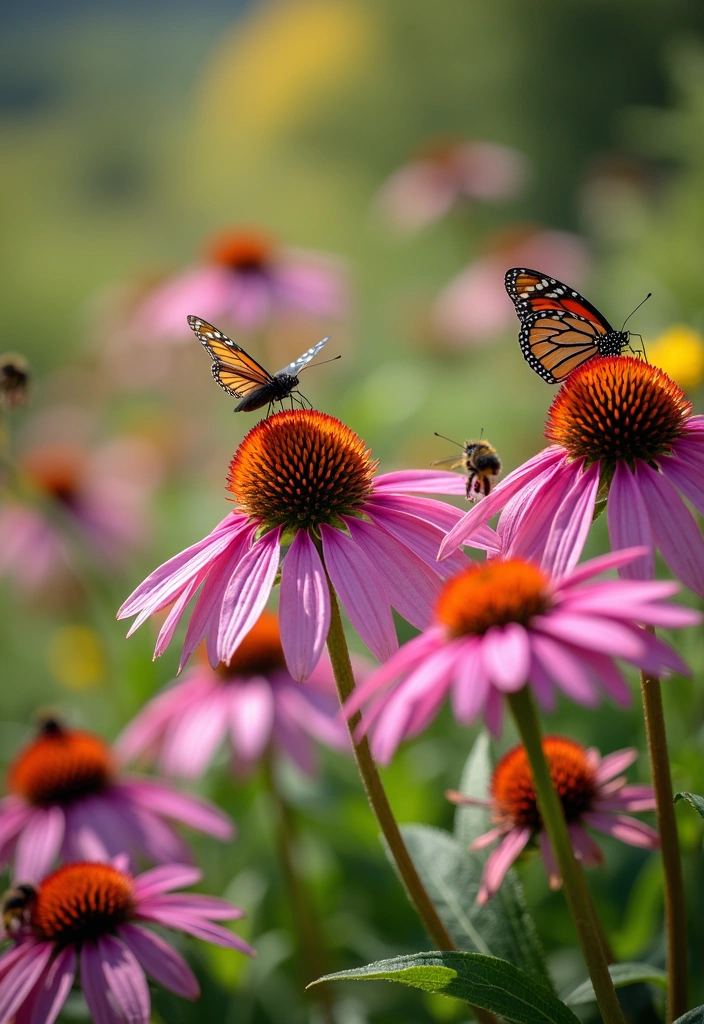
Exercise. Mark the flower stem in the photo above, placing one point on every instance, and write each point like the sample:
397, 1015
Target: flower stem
305, 919
576, 891
378, 800
675, 917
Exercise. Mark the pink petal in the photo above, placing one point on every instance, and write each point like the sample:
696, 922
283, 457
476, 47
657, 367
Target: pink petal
541, 685
629, 525
548, 856
39, 844
530, 532
95, 987
193, 925
676, 533
585, 848
125, 979
55, 987
596, 566
18, 982
304, 607
593, 633
406, 659
616, 763
687, 476
172, 620
437, 513
161, 961
565, 669
481, 842
194, 905
191, 742
505, 651
248, 592
628, 830
361, 591
422, 537
412, 588
500, 860
146, 729
188, 810
251, 712
164, 879
420, 481
494, 712
494, 502
571, 523
628, 798
471, 684
607, 676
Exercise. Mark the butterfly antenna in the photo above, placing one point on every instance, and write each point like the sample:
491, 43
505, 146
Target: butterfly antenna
321, 363
636, 309
448, 439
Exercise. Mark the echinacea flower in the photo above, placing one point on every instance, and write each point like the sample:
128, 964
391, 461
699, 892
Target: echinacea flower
100, 495
619, 427
253, 701
445, 173
305, 489
503, 625
88, 919
244, 279
473, 308
68, 800
592, 791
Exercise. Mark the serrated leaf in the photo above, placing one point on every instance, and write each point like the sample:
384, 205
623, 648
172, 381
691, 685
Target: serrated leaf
501, 928
621, 975
695, 801
485, 981
695, 1016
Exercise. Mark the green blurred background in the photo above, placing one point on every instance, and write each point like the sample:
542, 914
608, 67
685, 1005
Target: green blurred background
129, 133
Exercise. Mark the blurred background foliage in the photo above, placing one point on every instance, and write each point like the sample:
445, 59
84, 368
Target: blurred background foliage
130, 133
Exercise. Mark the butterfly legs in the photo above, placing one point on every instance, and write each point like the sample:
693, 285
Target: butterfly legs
639, 352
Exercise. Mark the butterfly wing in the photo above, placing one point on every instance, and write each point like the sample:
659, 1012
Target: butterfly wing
559, 327
294, 368
234, 369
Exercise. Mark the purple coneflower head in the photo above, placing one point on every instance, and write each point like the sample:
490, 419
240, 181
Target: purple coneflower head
623, 431
503, 625
245, 278
592, 792
88, 919
68, 800
309, 507
446, 173
252, 702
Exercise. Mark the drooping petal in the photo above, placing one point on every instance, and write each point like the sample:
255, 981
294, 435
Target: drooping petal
361, 591
247, 593
420, 481
470, 687
585, 848
500, 860
161, 961
410, 655
251, 714
210, 907
181, 921
628, 830
687, 476
506, 656
601, 564
676, 533
95, 987
55, 987
164, 879
39, 843
629, 525
571, 523
565, 668
19, 980
531, 532
125, 979
160, 798
551, 869
494, 712
593, 633
304, 607
192, 739
420, 536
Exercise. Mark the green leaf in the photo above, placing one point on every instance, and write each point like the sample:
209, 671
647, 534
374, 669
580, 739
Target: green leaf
452, 875
471, 822
695, 1016
621, 974
697, 802
484, 981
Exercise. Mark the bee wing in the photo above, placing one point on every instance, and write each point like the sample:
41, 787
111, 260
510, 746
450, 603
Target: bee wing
453, 461
294, 368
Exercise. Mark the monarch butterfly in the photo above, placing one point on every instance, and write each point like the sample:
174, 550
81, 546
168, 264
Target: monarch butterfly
240, 375
560, 330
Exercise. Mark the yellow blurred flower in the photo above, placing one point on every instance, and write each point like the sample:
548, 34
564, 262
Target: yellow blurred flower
277, 62
679, 351
77, 657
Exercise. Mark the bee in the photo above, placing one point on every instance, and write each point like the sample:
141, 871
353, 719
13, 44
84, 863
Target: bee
16, 906
481, 463
14, 379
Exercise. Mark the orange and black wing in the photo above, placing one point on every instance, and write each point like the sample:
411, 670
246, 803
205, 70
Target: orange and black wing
233, 368
560, 329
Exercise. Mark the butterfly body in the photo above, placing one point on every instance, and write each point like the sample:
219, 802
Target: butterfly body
560, 329
242, 376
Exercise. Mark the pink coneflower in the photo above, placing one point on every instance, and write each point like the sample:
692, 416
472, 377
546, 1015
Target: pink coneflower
473, 308
446, 173
506, 624
67, 800
67, 497
305, 488
621, 428
90, 917
253, 701
590, 794
244, 279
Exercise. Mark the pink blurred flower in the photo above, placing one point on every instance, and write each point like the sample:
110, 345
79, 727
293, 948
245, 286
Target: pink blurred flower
68, 497
68, 800
90, 917
244, 279
507, 624
253, 701
590, 794
444, 174
620, 427
474, 307
304, 485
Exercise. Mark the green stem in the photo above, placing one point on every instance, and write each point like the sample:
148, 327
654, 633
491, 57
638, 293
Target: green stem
378, 800
305, 919
576, 891
675, 917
